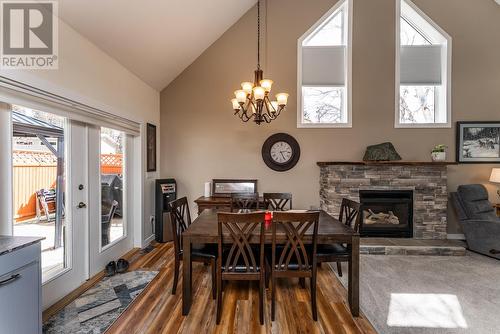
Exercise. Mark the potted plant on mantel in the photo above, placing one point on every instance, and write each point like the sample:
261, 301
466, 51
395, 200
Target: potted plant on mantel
438, 153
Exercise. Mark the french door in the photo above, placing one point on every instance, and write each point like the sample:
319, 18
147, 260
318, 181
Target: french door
76, 226
97, 229
67, 179
109, 160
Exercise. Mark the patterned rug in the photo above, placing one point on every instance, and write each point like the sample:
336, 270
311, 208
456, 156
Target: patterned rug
95, 310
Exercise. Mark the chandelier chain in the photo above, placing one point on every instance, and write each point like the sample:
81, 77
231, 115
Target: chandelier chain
258, 34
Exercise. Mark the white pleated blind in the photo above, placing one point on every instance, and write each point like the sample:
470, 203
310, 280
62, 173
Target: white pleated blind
420, 65
323, 66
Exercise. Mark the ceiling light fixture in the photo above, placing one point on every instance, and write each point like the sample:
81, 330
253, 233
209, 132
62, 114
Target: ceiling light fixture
252, 100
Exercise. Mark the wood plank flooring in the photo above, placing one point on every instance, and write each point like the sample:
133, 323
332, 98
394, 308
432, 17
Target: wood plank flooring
156, 310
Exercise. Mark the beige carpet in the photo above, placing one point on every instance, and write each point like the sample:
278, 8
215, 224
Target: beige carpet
430, 294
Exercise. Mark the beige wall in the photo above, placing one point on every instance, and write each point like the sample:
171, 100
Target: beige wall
201, 140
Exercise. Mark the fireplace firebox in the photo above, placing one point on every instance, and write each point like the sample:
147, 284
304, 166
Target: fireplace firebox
386, 213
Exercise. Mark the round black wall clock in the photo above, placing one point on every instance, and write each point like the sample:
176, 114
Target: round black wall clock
281, 152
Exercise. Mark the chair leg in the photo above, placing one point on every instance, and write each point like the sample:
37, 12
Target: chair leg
219, 298
176, 274
302, 282
261, 300
273, 297
214, 278
267, 275
313, 297
339, 268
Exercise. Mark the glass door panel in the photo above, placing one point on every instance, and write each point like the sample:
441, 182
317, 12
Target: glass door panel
39, 184
112, 181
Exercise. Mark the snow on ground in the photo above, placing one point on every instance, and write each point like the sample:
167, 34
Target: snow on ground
473, 149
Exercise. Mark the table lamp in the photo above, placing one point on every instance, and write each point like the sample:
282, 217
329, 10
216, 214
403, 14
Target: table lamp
495, 178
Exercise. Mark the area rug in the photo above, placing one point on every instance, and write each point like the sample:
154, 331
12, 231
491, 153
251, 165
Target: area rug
430, 294
96, 309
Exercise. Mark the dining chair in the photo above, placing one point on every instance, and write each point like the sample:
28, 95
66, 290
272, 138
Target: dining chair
278, 201
106, 220
181, 219
294, 259
237, 260
350, 215
244, 201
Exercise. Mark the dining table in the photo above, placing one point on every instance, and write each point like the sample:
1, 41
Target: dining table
204, 230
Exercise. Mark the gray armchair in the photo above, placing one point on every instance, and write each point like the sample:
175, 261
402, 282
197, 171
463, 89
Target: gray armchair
479, 221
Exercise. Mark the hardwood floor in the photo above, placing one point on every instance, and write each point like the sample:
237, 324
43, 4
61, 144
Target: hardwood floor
156, 310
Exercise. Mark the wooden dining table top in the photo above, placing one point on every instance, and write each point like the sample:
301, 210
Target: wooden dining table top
204, 229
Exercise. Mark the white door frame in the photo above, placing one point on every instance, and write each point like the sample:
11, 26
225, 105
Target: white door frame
6, 216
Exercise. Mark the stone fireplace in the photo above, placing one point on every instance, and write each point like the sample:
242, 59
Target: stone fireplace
425, 181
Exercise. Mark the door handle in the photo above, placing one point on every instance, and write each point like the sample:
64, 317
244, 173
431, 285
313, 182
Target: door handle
81, 205
10, 279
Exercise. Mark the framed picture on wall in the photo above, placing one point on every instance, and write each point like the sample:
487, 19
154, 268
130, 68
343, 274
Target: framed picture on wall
478, 142
151, 147
225, 187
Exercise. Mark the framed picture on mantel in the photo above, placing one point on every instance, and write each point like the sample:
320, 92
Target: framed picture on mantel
478, 142
150, 147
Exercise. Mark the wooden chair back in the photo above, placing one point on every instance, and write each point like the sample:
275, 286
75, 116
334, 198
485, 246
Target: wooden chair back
350, 214
278, 201
180, 218
295, 252
244, 201
239, 256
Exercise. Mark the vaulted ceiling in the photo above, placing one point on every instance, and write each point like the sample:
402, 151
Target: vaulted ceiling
154, 39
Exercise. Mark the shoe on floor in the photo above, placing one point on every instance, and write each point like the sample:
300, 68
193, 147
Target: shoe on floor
110, 269
122, 266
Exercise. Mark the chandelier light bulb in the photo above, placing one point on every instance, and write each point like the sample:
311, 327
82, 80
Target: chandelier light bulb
240, 95
266, 84
274, 104
247, 87
259, 93
236, 105
282, 99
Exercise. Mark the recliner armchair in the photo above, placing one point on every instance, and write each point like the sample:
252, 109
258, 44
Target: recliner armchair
479, 221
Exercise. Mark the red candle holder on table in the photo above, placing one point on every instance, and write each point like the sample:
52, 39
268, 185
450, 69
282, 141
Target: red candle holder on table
268, 219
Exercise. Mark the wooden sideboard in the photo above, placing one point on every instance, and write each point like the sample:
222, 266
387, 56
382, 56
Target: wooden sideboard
217, 203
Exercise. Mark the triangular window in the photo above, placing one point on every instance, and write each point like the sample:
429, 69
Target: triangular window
329, 33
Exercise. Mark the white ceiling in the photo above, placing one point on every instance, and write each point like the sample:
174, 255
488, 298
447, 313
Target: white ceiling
155, 39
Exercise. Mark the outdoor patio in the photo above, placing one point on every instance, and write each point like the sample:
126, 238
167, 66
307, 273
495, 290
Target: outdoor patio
53, 258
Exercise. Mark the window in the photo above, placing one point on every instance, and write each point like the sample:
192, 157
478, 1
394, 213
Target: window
324, 70
39, 185
112, 182
423, 70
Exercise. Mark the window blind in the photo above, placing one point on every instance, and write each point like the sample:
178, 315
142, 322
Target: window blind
323, 65
14, 92
420, 65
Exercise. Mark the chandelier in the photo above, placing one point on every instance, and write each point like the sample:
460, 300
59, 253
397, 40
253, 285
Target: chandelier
252, 100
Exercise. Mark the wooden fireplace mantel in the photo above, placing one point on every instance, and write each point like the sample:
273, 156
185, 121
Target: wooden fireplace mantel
385, 163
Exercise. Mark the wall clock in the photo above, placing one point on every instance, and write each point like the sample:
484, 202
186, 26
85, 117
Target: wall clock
281, 152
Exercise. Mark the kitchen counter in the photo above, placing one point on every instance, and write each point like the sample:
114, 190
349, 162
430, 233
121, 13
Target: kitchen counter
9, 244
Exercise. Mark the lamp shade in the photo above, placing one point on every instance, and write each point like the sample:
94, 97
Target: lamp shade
495, 175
